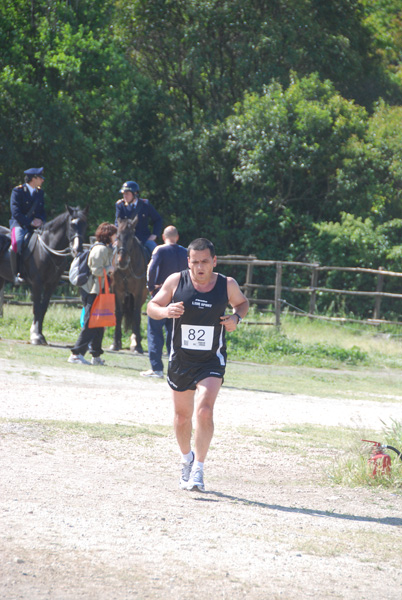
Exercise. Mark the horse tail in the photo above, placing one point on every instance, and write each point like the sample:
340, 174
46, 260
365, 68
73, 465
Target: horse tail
128, 312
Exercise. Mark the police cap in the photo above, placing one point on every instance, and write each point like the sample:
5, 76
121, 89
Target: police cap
35, 172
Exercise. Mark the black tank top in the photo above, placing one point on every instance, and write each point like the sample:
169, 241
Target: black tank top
198, 335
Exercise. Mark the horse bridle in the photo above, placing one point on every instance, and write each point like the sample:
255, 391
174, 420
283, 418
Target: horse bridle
76, 235
128, 264
66, 251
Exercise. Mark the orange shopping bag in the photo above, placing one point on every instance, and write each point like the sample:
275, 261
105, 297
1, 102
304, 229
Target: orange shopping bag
103, 309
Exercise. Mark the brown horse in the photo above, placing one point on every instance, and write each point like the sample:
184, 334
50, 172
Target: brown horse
129, 284
44, 261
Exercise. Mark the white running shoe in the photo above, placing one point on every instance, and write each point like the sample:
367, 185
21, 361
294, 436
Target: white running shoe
78, 359
185, 473
196, 481
151, 373
97, 360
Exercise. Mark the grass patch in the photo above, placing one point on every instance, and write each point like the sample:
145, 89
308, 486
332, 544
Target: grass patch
102, 431
340, 447
61, 324
355, 382
261, 345
123, 364
300, 342
322, 543
355, 470
303, 437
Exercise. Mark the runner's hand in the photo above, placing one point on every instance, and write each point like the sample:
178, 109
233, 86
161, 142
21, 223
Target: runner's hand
229, 322
175, 310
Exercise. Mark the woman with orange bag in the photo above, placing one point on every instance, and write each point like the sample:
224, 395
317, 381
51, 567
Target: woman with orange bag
100, 258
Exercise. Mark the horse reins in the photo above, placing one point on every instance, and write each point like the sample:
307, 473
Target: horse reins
64, 252
61, 253
129, 264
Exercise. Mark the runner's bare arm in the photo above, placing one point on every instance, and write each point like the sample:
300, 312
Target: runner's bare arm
238, 302
161, 305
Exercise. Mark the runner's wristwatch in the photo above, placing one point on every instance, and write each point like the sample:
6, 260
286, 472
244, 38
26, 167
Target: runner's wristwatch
238, 317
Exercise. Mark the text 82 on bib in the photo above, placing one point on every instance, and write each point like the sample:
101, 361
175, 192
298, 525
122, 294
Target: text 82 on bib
197, 337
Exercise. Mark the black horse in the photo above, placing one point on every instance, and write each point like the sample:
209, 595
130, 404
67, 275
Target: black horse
129, 284
44, 260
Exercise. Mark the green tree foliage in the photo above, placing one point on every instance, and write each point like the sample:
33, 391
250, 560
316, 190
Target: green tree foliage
242, 120
287, 145
358, 242
369, 183
71, 102
384, 19
352, 242
206, 53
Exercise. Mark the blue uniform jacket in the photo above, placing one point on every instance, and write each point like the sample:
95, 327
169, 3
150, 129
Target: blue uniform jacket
20, 203
146, 212
165, 260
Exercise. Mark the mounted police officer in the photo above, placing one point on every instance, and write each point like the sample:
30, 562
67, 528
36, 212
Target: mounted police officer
130, 206
27, 213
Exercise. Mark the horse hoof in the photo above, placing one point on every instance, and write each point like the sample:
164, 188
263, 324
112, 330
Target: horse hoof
39, 341
137, 350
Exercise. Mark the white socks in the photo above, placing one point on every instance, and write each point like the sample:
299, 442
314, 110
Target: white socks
187, 458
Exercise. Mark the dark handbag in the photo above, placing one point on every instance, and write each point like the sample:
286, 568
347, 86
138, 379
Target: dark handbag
103, 309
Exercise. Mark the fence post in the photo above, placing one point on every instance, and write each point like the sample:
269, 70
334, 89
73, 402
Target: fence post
313, 285
380, 285
249, 279
278, 294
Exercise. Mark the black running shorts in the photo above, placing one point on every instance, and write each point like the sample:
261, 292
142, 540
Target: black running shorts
182, 378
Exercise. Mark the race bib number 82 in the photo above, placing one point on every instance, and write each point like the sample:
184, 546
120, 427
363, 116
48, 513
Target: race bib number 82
197, 337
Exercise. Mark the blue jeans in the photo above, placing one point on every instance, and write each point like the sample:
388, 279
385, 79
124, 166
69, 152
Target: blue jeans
150, 245
155, 330
19, 233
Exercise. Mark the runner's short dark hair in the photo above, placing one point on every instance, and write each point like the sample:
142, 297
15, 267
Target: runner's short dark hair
201, 244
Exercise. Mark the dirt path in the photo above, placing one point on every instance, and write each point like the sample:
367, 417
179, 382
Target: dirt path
90, 518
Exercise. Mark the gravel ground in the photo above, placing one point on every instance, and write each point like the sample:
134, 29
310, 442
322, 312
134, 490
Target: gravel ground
86, 517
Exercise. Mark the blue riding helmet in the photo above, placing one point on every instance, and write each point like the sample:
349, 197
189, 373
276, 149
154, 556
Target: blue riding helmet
130, 186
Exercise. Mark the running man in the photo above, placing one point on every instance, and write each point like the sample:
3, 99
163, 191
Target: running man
197, 299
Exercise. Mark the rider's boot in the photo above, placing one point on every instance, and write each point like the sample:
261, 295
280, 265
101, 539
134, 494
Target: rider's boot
17, 279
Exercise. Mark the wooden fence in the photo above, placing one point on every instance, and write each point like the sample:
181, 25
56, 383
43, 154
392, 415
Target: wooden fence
315, 269
277, 288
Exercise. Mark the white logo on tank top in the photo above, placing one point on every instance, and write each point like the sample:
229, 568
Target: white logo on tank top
201, 303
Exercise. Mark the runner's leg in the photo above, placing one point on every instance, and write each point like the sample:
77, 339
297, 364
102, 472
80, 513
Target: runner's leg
183, 413
207, 392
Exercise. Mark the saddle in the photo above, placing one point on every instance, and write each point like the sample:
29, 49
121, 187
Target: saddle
147, 254
145, 251
5, 239
27, 248
29, 243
